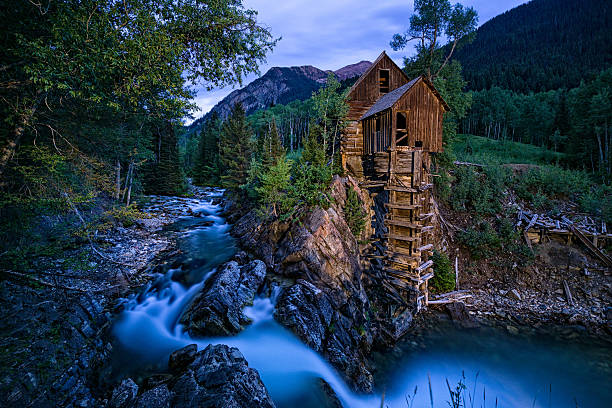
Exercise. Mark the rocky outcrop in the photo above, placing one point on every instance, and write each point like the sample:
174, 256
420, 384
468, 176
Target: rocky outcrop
323, 300
217, 377
340, 335
217, 309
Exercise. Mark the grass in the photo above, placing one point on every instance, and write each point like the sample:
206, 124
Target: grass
482, 150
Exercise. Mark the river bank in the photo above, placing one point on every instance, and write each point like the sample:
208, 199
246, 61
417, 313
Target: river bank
55, 327
171, 262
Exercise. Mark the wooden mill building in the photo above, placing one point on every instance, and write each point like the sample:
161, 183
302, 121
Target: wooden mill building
394, 125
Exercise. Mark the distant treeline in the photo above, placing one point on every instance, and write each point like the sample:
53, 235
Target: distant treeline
539, 46
576, 122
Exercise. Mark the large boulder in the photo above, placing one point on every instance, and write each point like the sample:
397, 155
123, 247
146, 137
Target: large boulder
323, 300
217, 309
220, 377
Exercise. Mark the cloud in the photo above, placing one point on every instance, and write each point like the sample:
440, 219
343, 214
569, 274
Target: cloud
330, 34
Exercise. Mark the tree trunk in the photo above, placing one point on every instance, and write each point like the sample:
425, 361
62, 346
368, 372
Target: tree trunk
131, 177
118, 179
11, 147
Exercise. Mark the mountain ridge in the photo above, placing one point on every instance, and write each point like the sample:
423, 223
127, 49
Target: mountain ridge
280, 85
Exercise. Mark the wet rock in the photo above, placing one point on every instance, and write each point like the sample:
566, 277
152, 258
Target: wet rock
306, 311
512, 330
220, 377
331, 399
459, 314
124, 395
181, 358
328, 305
309, 313
158, 397
397, 327
217, 310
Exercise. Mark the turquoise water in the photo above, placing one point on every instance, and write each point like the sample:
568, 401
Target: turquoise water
514, 369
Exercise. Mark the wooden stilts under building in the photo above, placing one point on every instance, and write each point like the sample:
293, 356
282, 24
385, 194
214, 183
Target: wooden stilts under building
395, 124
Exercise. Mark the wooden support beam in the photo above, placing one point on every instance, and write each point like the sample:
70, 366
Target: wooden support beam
402, 206
425, 247
401, 189
403, 224
424, 266
401, 237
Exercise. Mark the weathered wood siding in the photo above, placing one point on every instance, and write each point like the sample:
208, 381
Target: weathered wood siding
424, 118
361, 98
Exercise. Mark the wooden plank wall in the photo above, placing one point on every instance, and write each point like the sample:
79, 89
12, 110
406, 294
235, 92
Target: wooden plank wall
424, 121
373, 142
362, 98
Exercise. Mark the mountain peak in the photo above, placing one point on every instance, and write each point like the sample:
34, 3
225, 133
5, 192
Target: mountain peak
281, 85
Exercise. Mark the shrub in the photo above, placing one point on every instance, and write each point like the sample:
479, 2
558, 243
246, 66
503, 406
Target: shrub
478, 192
354, 213
444, 277
443, 185
481, 240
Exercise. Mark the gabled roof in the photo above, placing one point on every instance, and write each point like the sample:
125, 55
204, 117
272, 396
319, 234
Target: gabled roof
388, 100
374, 64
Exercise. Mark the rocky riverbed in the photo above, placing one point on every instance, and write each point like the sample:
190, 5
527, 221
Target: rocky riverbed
318, 289
54, 328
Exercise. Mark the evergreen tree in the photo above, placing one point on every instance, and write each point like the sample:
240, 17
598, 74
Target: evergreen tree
165, 174
313, 153
206, 171
235, 150
274, 185
270, 146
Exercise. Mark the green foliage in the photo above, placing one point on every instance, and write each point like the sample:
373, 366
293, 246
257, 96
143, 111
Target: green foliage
206, 171
443, 185
274, 186
331, 109
541, 45
354, 214
309, 185
483, 150
124, 215
503, 243
269, 144
444, 278
235, 150
478, 192
164, 175
482, 240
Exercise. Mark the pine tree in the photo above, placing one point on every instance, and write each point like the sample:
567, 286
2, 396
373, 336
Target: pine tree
235, 150
165, 174
274, 184
270, 146
314, 153
206, 171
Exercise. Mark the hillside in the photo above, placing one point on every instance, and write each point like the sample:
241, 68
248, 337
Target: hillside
280, 85
541, 45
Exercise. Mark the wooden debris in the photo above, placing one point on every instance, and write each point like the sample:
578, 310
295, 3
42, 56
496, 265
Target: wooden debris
568, 294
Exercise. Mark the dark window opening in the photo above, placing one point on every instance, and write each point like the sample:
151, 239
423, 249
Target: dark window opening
418, 143
401, 131
383, 79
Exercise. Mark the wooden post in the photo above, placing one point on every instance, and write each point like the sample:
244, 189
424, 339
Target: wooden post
456, 273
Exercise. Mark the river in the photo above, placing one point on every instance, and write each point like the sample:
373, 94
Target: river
500, 369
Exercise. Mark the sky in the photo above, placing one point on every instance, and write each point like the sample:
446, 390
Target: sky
330, 34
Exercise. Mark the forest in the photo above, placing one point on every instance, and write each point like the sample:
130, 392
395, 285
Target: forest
258, 260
